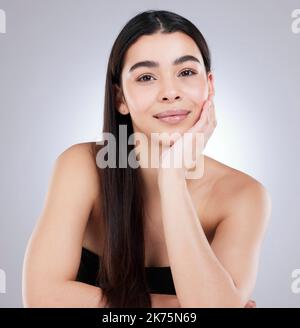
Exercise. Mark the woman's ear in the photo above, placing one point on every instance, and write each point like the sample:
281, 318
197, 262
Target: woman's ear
120, 101
211, 85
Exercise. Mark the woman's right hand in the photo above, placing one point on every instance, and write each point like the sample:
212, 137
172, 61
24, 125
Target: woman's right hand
164, 301
250, 304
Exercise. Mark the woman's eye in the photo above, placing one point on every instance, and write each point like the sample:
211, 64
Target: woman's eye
188, 70
141, 79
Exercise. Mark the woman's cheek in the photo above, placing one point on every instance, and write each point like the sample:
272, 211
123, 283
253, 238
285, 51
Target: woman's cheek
140, 102
197, 90
140, 117
197, 97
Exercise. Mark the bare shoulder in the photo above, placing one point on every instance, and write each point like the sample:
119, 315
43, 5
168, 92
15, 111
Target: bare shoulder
236, 191
244, 206
78, 164
80, 153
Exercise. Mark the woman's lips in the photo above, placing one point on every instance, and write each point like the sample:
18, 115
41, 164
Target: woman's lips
173, 119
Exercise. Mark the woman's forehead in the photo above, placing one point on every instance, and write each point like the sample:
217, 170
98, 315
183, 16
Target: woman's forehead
161, 48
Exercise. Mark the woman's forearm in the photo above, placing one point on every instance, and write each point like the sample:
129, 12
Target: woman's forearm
74, 294
69, 294
200, 279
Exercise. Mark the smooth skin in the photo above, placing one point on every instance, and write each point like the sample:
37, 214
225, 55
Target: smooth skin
224, 271
53, 253
212, 227
70, 219
231, 208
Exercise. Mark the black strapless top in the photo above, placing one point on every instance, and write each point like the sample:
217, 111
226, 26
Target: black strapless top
159, 279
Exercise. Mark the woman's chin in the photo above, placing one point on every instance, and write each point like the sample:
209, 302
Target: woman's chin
167, 138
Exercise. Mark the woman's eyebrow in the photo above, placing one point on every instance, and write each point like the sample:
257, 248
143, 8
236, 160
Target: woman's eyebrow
177, 61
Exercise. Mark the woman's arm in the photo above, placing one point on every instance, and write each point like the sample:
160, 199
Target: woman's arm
53, 252
171, 301
67, 294
221, 274
164, 301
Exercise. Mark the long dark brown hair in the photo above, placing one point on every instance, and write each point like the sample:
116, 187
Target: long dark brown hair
122, 272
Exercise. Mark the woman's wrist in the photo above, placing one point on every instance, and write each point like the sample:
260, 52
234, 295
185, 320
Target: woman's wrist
169, 178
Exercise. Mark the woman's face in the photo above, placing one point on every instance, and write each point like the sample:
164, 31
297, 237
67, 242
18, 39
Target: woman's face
152, 89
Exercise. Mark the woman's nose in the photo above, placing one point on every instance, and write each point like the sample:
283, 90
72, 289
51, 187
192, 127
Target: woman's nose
169, 92
170, 97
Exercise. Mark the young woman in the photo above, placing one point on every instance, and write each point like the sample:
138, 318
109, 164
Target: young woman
149, 236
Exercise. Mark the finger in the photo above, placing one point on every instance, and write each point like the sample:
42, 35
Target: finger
193, 147
212, 115
210, 97
250, 304
205, 110
209, 128
204, 125
203, 118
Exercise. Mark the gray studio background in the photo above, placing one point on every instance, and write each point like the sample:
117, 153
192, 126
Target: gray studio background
53, 60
